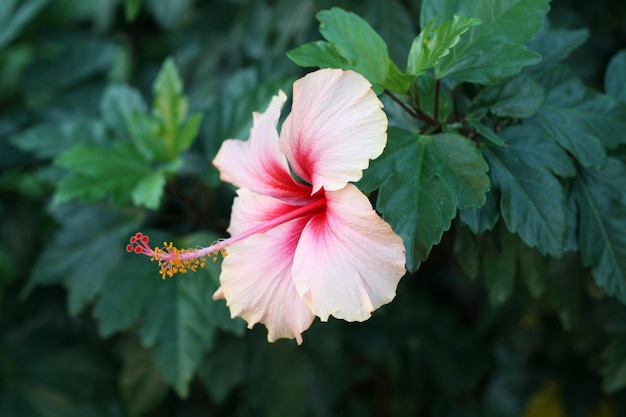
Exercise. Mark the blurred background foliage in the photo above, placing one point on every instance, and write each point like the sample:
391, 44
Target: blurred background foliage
86, 330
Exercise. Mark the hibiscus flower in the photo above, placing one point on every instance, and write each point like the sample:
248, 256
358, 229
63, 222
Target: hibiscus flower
305, 241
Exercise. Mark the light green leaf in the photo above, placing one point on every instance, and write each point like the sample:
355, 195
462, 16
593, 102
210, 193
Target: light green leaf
517, 97
87, 249
495, 49
435, 42
423, 180
602, 228
14, 16
318, 54
98, 172
532, 200
615, 79
149, 190
352, 39
169, 135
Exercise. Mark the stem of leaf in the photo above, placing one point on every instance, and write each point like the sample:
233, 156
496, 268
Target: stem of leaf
436, 107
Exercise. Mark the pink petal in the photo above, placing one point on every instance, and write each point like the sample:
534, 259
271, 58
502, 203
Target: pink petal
256, 282
335, 127
348, 261
258, 163
251, 210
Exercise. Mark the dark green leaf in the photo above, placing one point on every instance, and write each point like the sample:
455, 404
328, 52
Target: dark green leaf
615, 79
481, 219
76, 58
131, 9
224, 368
168, 12
435, 42
532, 200
14, 18
141, 383
89, 247
499, 265
423, 180
486, 132
528, 144
182, 319
614, 365
582, 121
51, 140
517, 97
533, 269
555, 46
602, 229
126, 293
495, 49
119, 103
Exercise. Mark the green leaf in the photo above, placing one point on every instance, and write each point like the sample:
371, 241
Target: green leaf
614, 365
532, 200
602, 228
131, 9
87, 249
481, 219
615, 79
177, 328
168, 12
224, 368
485, 131
495, 49
127, 292
529, 145
555, 46
119, 103
499, 265
318, 54
140, 382
13, 17
582, 121
149, 190
118, 172
517, 97
169, 110
76, 58
52, 139
352, 39
435, 42
181, 320
423, 180
533, 270
426, 85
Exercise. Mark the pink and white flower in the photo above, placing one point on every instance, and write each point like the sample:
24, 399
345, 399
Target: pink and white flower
305, 244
